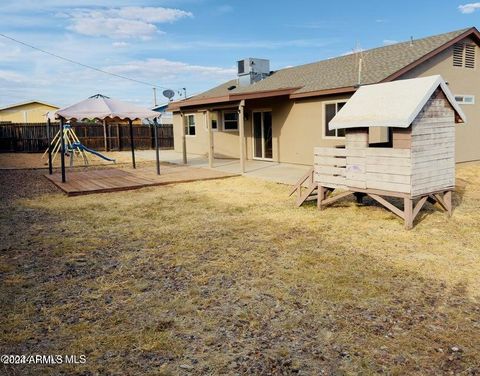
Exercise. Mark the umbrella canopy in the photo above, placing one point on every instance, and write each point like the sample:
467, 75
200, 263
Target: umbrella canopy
102, 107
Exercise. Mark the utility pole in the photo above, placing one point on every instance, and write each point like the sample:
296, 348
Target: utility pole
154, 97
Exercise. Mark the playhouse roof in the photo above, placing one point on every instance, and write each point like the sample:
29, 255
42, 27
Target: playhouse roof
391, 104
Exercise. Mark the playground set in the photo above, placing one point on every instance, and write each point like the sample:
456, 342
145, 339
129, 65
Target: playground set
73, 147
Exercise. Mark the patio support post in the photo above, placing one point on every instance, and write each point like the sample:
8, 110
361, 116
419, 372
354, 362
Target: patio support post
210, 138
184, 140
241, 127
50, 167
105, 141
131, 142
62, 149
157, 155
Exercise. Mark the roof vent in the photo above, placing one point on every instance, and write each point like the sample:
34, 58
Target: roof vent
251, 70
470, 56
464, 55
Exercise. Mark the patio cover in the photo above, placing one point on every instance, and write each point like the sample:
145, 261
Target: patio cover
391, 104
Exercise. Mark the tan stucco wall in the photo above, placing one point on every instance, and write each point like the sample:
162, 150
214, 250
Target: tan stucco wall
297, 127
226, 143
298, 124
464, 81
27, 113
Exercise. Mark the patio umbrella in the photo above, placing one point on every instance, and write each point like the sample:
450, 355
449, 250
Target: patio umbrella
104, 108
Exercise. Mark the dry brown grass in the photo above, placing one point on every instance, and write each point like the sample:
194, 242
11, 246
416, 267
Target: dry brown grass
228, 277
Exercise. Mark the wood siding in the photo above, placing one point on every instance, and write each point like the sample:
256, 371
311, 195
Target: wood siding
433, 147
364, 168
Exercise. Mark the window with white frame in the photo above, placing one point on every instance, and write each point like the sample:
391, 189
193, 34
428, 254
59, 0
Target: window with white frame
190, 125
230, 120
465, 99
331, 110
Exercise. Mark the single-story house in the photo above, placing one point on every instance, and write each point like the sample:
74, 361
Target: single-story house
282, 115
26, 112
167, 116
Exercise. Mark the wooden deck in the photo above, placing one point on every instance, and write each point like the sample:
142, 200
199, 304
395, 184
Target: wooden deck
118, 179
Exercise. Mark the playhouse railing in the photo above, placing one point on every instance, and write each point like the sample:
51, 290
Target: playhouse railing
330, 166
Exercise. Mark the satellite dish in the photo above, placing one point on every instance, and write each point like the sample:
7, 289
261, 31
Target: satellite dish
168, 93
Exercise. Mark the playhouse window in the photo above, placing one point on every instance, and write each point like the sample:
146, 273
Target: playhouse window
331, 110
190, 125
230, 121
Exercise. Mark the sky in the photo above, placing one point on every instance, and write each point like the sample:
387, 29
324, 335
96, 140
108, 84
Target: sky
192, 44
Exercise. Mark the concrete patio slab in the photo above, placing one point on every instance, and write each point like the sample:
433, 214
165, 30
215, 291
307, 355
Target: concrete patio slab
285, 173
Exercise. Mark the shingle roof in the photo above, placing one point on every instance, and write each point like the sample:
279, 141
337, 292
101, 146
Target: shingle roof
340, 72
24, 103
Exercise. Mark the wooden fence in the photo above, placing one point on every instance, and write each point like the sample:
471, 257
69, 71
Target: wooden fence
32, 137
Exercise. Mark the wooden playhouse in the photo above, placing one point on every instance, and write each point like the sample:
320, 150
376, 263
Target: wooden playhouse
416, 164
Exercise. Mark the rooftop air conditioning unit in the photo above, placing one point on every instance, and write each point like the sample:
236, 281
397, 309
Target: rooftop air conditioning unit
251, 70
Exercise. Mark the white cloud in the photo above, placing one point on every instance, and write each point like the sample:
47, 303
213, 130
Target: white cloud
468, 8
12, 76
165, 70
246, 44
127, 22
387, 42
112, 27
9, 52
120, 44
151, 14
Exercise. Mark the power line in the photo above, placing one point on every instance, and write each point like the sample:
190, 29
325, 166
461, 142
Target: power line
81, 64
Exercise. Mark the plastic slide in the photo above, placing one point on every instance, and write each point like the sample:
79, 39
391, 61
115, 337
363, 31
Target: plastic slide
81, 147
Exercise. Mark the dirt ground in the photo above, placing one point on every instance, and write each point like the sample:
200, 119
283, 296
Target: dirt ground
36, 161
228, 277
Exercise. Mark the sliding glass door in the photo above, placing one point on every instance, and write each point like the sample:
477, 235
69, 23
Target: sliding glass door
262, 135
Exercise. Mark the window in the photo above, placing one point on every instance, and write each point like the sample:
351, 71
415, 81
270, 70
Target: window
464, 55
331, 110
465, 99
214, 124
230, 121
190, 125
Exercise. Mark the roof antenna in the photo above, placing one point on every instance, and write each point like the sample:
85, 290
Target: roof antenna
411, 41
360, 61
360, 70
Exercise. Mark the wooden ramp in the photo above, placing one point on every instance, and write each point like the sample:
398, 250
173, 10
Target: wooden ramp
117, 179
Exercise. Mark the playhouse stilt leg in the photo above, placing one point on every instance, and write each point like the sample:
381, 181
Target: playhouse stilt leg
447, 198
321, 191
408, 213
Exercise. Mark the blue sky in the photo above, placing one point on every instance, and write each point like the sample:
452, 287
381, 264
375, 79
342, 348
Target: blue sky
193, 43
